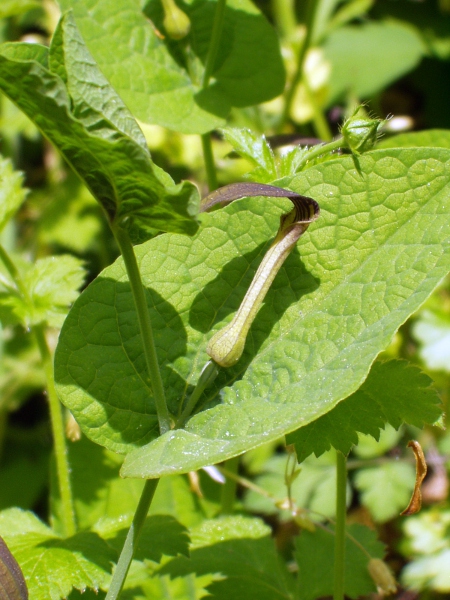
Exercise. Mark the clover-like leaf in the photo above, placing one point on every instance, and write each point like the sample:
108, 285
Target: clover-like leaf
378, 250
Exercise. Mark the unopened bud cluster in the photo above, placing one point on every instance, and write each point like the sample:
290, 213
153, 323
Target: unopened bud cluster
361, 131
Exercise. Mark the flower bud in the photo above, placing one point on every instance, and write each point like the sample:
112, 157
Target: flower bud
176, 22
361, 132
382, 576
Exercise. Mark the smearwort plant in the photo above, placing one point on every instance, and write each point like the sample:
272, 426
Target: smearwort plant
220, 331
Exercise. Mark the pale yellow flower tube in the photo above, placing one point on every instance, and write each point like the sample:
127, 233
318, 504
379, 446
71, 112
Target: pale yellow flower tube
227, 345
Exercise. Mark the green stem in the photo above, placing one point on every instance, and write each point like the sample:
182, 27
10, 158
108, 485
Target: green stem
56, 417
339, 540
284, 15
309, 24
57, 421
209, 67
131, 542
208, 157
137, 288
207, 376
321, 149
320, 123
214, 41
228, 496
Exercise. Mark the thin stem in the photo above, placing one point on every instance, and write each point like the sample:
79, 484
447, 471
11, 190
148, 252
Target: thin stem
284, 15
309, 23
137, 288
207, 376
209, 67
131, 542
228, 496
321, 149
56, 417
57, 421
339, 540
320, 123
208, 157
214, 41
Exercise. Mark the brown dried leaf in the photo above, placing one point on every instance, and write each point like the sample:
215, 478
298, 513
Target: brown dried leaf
415, 504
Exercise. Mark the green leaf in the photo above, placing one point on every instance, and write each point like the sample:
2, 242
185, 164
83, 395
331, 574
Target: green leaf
431, 23
376, 253
433, 138
160, 79
11, 8
254, 148
161, 535
53, 566
433, 333
314, 489
71, 219
385, 52
427, 545
105, 502
243, 553
11, 578
394, 392
52, 284
93, 133
314, 555
12, 194
386, 489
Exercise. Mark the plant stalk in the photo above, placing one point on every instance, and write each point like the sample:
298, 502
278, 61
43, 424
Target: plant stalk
207, 376
132, 540
137, 288
214, 41
208, 157
209, 67
321, 149
309, 24
228, 496
339, 540
56, 417
59, 439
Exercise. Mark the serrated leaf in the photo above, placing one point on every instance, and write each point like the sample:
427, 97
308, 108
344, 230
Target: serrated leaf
115, 167
160, 80
52, 566
385, 51
433, 138
254, 148
314, 555
12, 194
52, 284
378, 250
243, 553
394, 392
385, 489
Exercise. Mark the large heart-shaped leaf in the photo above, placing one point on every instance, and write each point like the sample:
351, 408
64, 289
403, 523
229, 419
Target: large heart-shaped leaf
160, 79
378, 250
68, 98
